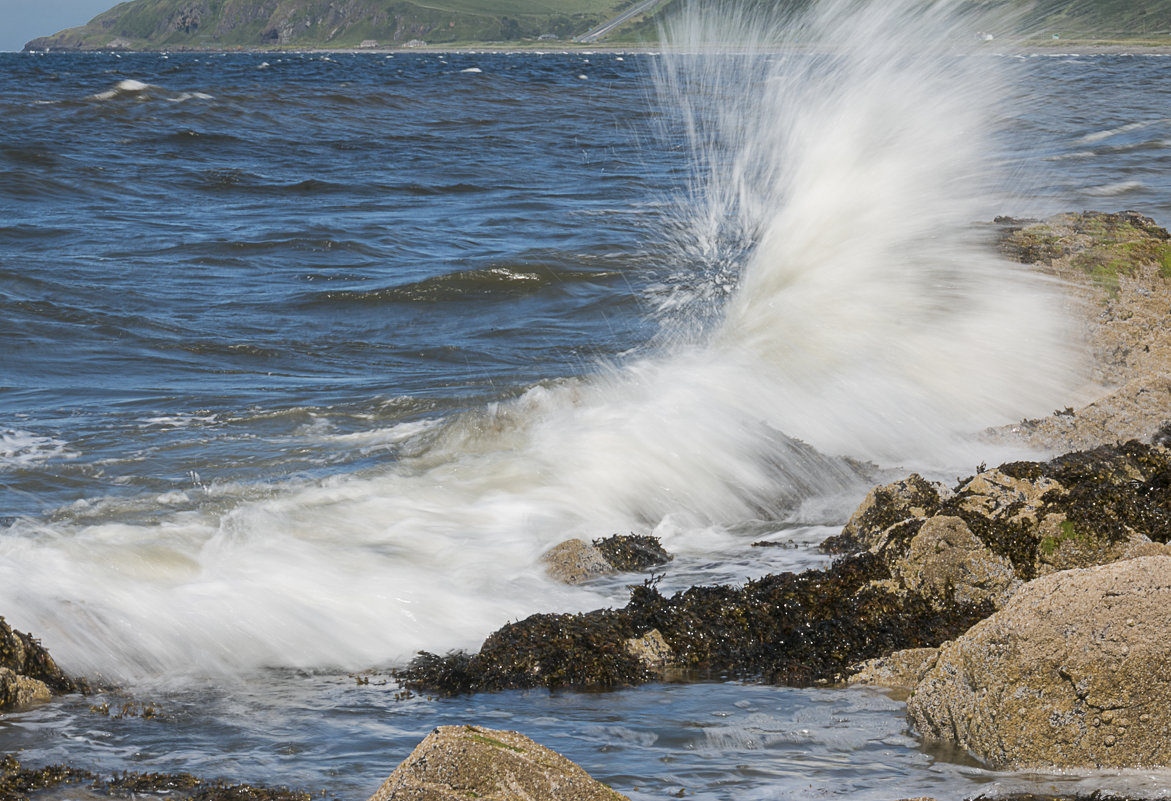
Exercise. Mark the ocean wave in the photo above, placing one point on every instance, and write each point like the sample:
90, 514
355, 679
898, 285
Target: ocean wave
500, 281
131, 88
21, 449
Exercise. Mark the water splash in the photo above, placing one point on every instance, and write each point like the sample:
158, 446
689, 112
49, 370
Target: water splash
840, 163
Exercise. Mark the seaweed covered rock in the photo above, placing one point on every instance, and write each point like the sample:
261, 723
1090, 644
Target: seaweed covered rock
576, 561
455, 763
1071, 673
883, 507
945, 560
27, 673
794, 629
628, 553
18, 783
1023, 520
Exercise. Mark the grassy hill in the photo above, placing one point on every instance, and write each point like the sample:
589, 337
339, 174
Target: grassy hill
213, 24
220, 24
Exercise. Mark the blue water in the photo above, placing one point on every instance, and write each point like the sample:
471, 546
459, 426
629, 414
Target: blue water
248, 244
273, 328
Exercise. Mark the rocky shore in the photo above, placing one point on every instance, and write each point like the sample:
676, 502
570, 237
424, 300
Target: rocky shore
1019, 611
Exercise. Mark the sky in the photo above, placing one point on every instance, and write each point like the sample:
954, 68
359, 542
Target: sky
21, 20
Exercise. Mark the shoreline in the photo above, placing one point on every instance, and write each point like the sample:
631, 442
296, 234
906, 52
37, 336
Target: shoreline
1061, 48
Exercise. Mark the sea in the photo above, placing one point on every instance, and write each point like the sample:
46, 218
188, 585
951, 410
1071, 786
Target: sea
307, 358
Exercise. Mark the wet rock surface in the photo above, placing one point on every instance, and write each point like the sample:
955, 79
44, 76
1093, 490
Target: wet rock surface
455, 763
1071, 673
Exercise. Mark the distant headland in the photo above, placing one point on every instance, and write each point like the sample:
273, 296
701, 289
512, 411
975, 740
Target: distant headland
218, 25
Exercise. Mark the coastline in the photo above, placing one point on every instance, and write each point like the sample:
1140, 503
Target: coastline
1056, 48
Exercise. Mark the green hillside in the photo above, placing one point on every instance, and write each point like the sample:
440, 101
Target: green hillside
223, 24
213, 24
1102, 19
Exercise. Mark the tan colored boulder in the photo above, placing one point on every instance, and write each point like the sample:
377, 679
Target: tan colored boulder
1071, 673
575, 561
946, 561
455, 763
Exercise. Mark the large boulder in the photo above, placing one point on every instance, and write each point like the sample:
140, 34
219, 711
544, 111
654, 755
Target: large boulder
455, 763
1071, 673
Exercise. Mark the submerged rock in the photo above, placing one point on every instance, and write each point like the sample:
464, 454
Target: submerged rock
1071, 673
455, 763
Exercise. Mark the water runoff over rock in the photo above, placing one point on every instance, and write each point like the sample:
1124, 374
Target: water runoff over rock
830, 291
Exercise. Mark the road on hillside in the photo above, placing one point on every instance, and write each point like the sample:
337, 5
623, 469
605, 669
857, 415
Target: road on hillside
603, 29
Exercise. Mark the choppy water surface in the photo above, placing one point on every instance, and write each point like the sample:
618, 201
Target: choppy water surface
305, 359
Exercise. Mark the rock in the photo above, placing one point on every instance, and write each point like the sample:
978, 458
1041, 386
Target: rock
1081, 509
627, 553
575, 561
901, 670
884, 507
650, 649
1071, 673
1117, 268
946, 561
455, 763
1137, 410
27, 673
18, 691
